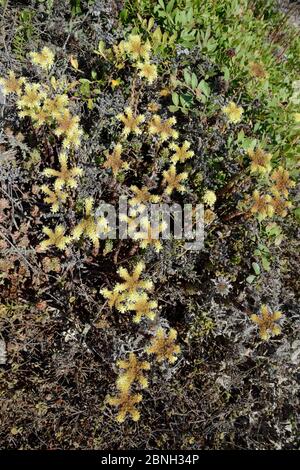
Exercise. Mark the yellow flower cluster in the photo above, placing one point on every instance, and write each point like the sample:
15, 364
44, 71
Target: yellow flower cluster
164, 129
55, 198
149, 234
173, 180
147, 71
136, 48
126, 403
134, 373
11, 84
260, 160
44, 58
130, 294
265, 205
139, 52
114, 160
209, 198
142, 196
131, 122
34, 101
90, 226
68, 127
65, 176
262, 205
233, 112
267, 322
163, 346
126, 399
56, 238
282, 182
181, 154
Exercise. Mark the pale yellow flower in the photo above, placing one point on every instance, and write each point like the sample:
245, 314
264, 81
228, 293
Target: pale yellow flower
44, 59
233, 112
11, 84
182, 153
131, 122
209, 198
260, 160
173, 180
267, 322
147, 71
135, 47
164, 129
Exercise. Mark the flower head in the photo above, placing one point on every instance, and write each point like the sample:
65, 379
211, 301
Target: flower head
132, 282
153, 107
280, 206
66, 123
173, 180
209, 216
147, 71
88, 225
134, 373
222, 286
72, 139
260, 160
181, 154
282, 181
142, 306
262, 205
135, 47
114, 83
54, 198
142, 196
209, 198
32, 96
44, 58
233, 112
126, 402
114, 161
38, 115
56, 238
267, 322
149, 234
115, 298
131, 122
133, 219
163, 346
56, 106
65, 176
11, 84
164, 129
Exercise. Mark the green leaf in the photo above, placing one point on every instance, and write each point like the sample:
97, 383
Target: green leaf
170, 6
173, 109
187, 77
250, 279
256, 268
186, 100
204, 87
265, 263
175, 99
226, 73
194, 81
297, 214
